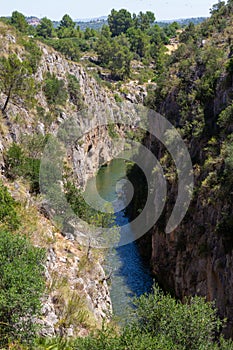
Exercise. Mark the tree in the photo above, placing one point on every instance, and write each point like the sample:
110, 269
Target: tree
216, 7
188, 34
45, 28
18, 20
66, 28
120, 58
89, 33
139, 41
170, 29
21, 286
66, 22
144, 20
105, 31
104, 46
119, 21
15, 80
114, 53
68, 47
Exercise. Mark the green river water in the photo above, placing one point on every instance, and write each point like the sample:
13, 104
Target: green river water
130, 274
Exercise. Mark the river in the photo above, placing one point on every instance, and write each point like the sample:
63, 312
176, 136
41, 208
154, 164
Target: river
130, 274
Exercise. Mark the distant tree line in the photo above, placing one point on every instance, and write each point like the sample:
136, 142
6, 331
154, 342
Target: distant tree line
125, 37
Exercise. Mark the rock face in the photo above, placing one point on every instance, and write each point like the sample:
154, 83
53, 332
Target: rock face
79, 295
74, 277
193, 261
196, 258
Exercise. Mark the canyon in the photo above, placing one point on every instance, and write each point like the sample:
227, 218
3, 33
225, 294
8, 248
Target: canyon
193, 93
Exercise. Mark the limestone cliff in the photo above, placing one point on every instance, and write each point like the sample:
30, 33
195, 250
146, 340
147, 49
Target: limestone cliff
77, 292
196, 96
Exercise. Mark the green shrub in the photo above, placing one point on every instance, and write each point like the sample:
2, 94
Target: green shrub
14, 158
159, 322
67, 46
112, 131
83, 210
192, 325
118, 98
34, 54
21, 287
74, 91
8, 213
225, 119
54, 90
19, 164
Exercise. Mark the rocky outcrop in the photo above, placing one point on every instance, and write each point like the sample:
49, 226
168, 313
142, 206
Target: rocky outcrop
79, 296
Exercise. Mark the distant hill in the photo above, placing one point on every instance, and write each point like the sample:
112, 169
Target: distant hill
182, 21
95, 19
96, 24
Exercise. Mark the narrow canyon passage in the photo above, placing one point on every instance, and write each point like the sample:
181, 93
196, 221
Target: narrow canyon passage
130, 274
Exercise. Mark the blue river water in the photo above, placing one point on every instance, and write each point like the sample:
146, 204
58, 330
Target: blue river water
130, 275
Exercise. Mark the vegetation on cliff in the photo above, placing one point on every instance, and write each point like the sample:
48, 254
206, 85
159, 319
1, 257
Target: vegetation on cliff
158, 322
194, 91
22, 280
32, 100
195, 94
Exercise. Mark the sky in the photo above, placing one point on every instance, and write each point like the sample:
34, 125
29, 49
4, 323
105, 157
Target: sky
163, 9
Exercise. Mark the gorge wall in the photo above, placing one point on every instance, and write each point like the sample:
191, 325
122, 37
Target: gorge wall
74, 273
195, 94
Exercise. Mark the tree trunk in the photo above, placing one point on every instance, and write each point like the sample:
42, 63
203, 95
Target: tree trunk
7, 100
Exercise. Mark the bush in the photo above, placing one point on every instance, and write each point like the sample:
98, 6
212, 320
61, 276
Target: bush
74, 91
54, 90
14, 158
21, 287
8, 215
34, 54
78, 204
19, 164
68, 47
225, 119
190, 326
112, 132
159, 322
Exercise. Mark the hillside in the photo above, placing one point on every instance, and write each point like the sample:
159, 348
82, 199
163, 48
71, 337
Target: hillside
195, 93
26, 123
